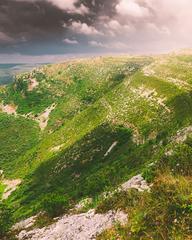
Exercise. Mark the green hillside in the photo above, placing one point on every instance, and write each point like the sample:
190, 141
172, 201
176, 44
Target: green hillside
58, 123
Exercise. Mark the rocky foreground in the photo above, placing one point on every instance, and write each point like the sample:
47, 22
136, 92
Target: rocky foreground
83, 226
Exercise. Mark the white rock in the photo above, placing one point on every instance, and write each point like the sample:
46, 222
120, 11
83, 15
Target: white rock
84, 226
24, 224
136, 182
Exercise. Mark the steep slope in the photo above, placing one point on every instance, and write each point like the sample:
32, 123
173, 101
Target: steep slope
111, 119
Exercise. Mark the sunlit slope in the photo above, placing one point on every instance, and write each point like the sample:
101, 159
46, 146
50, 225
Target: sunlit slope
71, 87
17, 136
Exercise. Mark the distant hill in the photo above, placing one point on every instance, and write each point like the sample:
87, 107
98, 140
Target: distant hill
8, 71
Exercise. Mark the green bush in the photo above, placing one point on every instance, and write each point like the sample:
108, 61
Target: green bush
149, 173
6, 220
55, 205
122, 133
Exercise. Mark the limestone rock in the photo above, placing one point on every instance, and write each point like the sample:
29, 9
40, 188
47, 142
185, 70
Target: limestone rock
84, 226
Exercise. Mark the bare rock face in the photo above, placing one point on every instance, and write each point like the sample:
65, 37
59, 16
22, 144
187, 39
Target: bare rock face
33, 83
84, 226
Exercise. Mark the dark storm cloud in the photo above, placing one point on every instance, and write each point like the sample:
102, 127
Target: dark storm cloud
24, 20
24, 23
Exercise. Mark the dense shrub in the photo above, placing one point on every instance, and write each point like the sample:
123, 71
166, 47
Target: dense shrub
55, 204
6, 220
149, 173
122, 133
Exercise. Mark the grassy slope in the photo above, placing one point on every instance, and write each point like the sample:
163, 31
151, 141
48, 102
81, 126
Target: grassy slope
98, 105
2, 188
166, 212
17, 135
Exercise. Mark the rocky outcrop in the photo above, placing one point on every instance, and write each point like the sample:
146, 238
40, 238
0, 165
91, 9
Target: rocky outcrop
10, 185
24, 224
83, 203
151, 96
84, 226
137, 182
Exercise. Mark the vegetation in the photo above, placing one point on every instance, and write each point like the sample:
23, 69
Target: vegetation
114, 118
17, 135
165, 213
2, 188
6, 220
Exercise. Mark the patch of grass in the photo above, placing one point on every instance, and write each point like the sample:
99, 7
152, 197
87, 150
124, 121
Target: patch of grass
182, 105
2, 188
6, 220
120, 200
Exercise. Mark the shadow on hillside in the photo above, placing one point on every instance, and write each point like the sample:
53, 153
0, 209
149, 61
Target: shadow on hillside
182, 106
83, 170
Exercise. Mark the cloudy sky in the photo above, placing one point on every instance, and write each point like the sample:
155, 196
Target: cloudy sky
51, 29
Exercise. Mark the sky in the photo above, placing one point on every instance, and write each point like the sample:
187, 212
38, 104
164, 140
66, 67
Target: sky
50, 30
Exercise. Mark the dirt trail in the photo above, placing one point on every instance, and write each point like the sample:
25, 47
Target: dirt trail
11, 186
43, 118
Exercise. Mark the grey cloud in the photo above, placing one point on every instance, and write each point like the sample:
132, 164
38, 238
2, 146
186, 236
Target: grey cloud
56, 26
